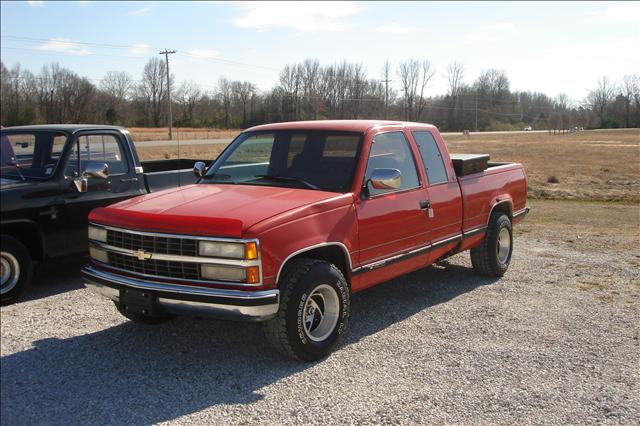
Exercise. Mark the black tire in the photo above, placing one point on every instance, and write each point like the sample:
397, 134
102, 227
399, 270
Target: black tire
306, 284
144, 319
16, 271
487, 258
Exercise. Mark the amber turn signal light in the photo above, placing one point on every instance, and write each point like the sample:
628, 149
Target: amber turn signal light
253, 275
250, 250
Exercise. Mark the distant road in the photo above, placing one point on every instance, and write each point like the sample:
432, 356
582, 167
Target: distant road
226, 141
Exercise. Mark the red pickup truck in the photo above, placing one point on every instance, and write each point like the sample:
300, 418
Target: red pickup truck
292, 218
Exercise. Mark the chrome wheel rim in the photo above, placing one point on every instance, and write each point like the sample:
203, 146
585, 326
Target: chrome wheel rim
321, 311
9, 272
504, 245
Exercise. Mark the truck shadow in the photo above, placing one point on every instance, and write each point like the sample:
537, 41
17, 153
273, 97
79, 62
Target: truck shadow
55, 277
132, 373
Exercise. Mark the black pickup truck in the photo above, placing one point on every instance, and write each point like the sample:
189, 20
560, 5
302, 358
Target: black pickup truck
52, 176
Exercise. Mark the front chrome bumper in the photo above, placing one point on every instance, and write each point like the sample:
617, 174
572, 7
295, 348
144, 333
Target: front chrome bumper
181, 299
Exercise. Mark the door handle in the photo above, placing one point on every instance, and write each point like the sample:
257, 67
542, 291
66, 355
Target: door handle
426, 205
133, 179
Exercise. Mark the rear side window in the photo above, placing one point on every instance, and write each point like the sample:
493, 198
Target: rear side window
98, 149
431, 157
391, 151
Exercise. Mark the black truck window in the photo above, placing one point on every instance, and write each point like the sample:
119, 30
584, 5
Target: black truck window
100, 149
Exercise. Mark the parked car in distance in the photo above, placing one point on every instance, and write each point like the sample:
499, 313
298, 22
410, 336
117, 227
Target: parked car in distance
51, 177
527, 128
292, 218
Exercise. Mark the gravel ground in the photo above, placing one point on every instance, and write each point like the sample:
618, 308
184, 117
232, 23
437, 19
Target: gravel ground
555, 341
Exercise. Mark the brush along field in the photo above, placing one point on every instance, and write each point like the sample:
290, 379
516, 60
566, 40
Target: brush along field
162, 133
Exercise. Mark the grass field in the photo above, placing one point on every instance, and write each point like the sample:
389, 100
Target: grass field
598, 165
162, 133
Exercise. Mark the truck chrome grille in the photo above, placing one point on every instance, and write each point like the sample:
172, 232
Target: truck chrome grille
152, 243
160, 268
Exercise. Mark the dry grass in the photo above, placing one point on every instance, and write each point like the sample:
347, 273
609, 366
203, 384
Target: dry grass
593, 165
602, 165
162, 133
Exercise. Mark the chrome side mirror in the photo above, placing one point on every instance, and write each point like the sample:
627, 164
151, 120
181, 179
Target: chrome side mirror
81, 183
97, 170
198, 169
386, 179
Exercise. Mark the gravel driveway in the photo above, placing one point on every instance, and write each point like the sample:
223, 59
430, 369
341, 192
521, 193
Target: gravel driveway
555, 341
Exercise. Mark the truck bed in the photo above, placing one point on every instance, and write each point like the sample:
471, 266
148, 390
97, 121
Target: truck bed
163, 174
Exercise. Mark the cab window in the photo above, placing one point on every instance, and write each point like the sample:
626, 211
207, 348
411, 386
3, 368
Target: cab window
392, 151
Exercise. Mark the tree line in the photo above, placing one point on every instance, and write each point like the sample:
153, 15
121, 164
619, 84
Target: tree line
309, 91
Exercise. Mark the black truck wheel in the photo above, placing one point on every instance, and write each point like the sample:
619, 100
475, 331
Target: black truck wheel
16, 269
492, 257
314, 310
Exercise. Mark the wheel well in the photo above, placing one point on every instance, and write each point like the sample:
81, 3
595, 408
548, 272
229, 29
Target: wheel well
28, 234
503, 207
331, 253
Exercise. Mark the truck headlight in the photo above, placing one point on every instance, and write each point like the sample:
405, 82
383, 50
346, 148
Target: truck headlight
99, 254
97, 234
229, 250
229, 273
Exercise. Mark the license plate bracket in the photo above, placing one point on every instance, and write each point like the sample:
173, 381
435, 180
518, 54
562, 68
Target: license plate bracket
139, 302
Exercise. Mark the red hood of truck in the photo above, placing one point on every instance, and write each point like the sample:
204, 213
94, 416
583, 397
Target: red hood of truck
210, 209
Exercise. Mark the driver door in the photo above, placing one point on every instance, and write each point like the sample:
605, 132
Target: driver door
74, 206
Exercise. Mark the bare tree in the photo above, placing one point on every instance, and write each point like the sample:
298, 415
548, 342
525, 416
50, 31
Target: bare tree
414, 79
455, 74
386, 73
153, 88
244, 92
631, 91
225, 93
600, 98
188, 95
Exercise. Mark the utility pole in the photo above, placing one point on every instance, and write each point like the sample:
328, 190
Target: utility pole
476, 110
166, 54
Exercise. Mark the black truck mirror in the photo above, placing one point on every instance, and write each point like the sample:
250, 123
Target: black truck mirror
81, 183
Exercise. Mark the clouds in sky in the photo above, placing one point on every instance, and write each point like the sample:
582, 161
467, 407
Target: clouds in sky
66, 46
491, 33
394, 28
301, 16
203, 53
139, 12
618, 14
140, 49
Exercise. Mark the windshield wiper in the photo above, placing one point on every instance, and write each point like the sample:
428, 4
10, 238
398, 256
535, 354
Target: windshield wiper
220, 176
289, 179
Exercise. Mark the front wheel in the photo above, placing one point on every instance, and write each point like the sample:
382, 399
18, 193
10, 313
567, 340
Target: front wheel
314, 310
15, 269
492, 257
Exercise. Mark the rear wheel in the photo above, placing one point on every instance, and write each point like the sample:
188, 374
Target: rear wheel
16, 269
314, 310
493, 256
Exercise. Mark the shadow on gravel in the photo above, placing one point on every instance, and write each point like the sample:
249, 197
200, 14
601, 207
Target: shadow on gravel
55, 277
133, 373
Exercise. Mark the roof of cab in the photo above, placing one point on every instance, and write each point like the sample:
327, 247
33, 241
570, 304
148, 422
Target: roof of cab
335, 125
66, 128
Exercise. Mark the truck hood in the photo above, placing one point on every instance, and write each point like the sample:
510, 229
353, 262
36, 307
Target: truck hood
213, 210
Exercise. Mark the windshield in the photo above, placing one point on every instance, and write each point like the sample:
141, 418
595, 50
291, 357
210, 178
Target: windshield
30, 155
316, 160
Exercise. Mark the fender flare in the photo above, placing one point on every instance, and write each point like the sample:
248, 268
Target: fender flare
343, 248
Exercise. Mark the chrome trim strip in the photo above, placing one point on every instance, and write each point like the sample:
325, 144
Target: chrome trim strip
175, 258
472, 232
400, 257
522, 212
309, 248
179, 289
183, 280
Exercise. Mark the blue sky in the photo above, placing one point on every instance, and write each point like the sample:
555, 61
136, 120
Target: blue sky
552, 47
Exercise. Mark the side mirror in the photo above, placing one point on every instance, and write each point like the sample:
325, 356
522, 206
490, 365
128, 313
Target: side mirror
97, 170
198, 169
81, 183
386, 179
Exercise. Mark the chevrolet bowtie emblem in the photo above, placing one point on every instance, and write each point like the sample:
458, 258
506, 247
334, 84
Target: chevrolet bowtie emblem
142, 255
